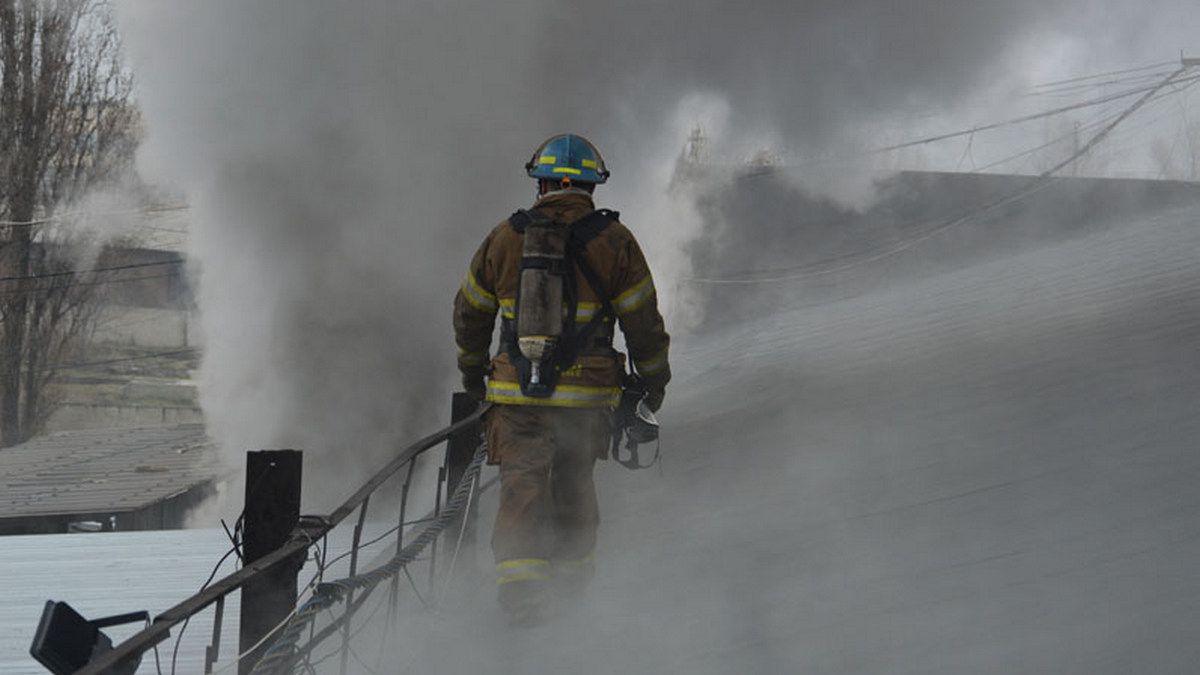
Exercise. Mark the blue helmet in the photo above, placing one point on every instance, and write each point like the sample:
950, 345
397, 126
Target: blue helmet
568, 156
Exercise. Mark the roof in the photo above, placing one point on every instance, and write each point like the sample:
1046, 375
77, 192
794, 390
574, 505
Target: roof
108, 470
109, 573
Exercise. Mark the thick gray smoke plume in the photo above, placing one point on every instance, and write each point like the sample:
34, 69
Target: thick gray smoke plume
344, 161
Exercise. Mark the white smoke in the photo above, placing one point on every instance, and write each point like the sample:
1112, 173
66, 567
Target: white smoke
343, 162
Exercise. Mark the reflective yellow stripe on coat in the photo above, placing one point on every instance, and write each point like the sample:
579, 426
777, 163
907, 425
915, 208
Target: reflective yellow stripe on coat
584, 311
564, 396
477, 296
635, 296
653, 365
467, 358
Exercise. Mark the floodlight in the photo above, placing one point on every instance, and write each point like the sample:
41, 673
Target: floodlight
65, 641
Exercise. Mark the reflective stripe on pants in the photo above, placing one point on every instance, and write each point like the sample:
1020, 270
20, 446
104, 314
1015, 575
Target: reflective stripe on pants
522, 569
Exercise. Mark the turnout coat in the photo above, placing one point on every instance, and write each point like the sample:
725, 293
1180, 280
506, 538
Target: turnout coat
594, 379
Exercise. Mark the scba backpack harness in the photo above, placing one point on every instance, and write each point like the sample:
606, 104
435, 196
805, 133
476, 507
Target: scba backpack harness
541, 338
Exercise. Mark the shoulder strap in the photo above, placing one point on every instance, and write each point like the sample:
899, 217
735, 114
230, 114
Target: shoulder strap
522, 219
582, 231
590, 226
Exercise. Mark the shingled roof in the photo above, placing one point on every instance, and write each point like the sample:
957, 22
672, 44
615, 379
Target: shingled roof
120, 478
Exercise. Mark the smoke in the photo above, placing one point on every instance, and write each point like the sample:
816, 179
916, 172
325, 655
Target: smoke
344, 162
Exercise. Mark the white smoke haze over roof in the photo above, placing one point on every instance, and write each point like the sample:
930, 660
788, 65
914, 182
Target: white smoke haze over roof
344, 161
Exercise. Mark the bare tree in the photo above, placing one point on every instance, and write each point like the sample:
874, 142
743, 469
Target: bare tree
66, 126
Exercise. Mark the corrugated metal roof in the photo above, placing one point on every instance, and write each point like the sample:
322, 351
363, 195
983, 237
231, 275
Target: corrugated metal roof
107, 573
110, 470
112, 573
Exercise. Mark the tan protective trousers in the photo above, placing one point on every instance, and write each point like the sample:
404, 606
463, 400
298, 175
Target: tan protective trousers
548, 511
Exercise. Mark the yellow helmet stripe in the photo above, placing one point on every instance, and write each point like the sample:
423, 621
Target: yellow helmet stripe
567, 169
547, 159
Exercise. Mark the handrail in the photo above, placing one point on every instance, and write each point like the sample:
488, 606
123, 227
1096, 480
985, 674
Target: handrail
146, 639
282, 654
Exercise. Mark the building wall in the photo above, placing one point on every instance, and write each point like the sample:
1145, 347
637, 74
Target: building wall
145, 327
73, 416
167, 514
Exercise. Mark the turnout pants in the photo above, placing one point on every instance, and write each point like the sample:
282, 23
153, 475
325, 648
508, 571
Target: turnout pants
548, 516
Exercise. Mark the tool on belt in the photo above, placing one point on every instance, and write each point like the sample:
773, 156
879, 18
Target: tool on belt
635, 423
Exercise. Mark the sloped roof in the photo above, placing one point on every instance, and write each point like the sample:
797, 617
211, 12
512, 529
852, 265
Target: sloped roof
108, 470
109, 573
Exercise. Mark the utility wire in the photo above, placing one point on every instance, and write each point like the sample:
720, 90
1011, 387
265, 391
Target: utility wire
1071, 88
80, 284
94, 270
211, 576
1120, 118
283, 653
1126, 71
1095, 124
67, 215
1035, 116
986, 127
1040, 183
377, 539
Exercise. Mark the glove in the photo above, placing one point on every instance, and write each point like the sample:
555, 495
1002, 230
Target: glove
654, 399
474, 386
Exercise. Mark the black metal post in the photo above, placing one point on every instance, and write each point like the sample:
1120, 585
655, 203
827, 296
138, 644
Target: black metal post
213, 651
460, 448
393, 611
271, 514
362, 517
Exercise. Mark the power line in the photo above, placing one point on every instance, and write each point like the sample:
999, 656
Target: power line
1035, 116
95, 270
1041, 182
1188, 82
66, 215
78, 284
1087, 127
1120, 118
1126, 71
1067, 89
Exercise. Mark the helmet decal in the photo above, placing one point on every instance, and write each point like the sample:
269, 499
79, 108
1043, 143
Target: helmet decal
567, 156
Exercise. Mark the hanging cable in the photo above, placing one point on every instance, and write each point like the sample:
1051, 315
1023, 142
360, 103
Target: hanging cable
1113, 125
1041, 182
1035, 116
282, 653
211, 576
1125, 71
94, 270
67, 215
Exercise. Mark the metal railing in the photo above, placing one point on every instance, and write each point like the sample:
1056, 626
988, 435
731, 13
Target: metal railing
283, 648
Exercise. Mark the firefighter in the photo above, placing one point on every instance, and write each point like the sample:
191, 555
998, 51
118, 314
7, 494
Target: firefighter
561, 275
